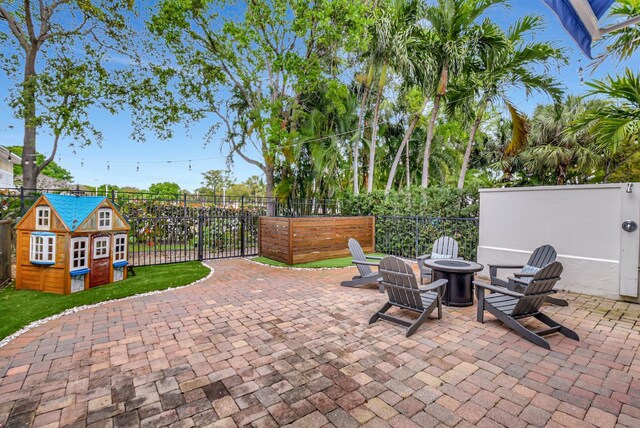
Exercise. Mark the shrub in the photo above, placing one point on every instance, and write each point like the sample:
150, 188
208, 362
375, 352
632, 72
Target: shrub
431, 202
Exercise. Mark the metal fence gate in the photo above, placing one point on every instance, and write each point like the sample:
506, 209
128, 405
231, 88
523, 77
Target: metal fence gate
196, 236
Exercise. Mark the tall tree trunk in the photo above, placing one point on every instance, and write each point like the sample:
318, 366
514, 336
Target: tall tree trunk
405, 141
427, 146
358, 138
374, 129
271, 203
29, 167
440, 92
408, 168
562, 174
472, 137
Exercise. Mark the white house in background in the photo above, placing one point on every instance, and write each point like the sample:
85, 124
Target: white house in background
7, 160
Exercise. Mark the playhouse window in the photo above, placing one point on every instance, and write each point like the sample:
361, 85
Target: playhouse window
43, 249
120, 248
79, 253
104, 219
43, 215
101, 248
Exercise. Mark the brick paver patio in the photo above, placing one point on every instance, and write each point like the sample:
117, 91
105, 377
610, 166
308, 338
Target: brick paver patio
267, 347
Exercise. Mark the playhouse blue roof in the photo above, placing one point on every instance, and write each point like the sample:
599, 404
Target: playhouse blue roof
74, 210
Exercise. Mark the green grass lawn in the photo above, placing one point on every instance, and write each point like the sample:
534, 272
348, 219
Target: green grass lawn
330, 263
21, 307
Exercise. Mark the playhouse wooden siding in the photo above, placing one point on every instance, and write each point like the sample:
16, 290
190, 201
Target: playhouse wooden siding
306, 239
56, 278
35, 277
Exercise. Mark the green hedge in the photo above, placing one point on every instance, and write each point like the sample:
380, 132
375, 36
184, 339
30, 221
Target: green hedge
431, 202
410, 220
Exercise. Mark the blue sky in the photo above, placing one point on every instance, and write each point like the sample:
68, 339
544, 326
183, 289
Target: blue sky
89, 165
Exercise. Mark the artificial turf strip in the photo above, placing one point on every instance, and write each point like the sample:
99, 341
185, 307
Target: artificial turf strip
330, 263
19, 308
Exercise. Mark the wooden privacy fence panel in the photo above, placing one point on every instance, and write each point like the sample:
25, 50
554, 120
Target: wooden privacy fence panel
305, 239
6, 227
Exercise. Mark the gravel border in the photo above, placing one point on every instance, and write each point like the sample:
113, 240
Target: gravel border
251, 259
69, 311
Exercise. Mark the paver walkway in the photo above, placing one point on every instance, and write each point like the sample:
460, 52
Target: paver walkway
267, 347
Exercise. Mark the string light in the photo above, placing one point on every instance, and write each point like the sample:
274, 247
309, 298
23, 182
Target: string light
581, 72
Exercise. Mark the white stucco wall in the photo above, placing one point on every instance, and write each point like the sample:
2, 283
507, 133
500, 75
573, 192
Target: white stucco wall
583, 223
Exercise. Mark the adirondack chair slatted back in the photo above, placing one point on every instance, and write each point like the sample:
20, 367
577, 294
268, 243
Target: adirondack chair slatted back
445, 246
542, 256
396, 272
538, 289
358, 255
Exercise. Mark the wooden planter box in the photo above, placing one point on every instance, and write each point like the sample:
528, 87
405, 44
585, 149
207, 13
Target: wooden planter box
294, 240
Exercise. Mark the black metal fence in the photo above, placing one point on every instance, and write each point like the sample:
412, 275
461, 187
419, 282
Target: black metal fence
412, 236
185, 227
14, 202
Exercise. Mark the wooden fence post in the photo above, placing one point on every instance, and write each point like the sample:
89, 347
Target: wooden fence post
6, 228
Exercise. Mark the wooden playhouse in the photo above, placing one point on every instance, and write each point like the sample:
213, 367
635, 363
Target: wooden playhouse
70, 243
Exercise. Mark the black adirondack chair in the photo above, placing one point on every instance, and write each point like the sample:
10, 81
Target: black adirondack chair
403, 291
363, 263
540, 257
445, 247
510, 307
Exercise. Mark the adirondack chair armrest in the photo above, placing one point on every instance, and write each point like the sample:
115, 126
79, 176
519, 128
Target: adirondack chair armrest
523, 275
519, 281
507, 266
374, 257
362, 262
493, 269
423, 257
434, 286
501, 290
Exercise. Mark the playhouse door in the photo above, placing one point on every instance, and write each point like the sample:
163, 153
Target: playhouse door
100, 261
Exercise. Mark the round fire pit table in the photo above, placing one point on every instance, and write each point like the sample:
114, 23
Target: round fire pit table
459, 273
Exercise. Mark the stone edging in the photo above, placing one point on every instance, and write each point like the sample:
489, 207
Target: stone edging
69, 311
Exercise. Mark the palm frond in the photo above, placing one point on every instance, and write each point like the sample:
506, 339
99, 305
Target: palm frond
519, 134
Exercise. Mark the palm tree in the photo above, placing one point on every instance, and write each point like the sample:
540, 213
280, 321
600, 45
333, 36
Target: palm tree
365, 81
413, 123
394, 25
557, 150
452, 36
617, 122
502, 67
